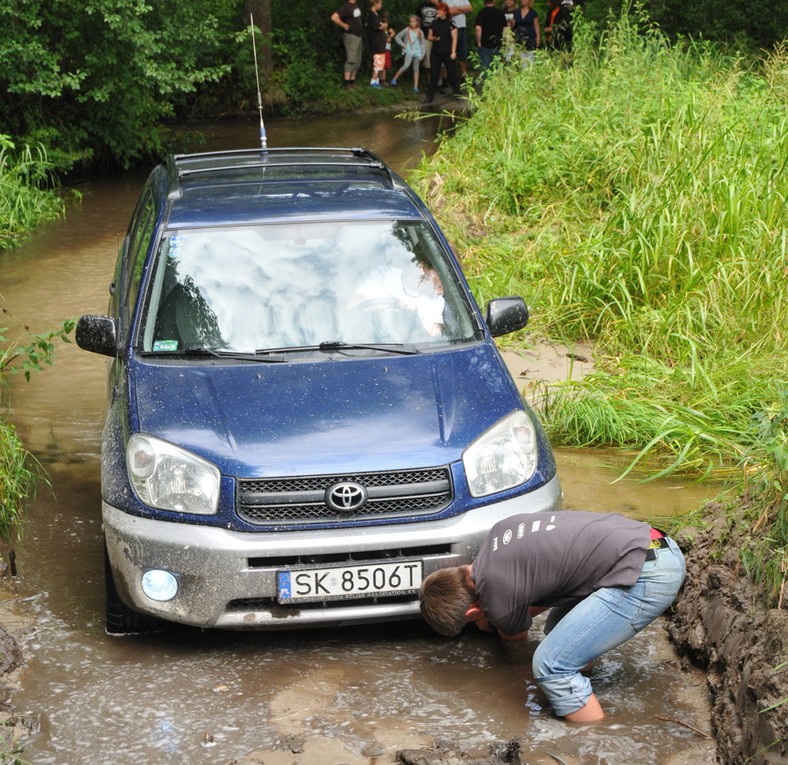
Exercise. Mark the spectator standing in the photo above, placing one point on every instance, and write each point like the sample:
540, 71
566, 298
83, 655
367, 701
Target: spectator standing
376, 26
489, 27
348, 18
558, 26
443, 35
526, 31
457, 11
414, 47
427, 12
389, 42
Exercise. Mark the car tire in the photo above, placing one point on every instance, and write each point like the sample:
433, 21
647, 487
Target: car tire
120, 619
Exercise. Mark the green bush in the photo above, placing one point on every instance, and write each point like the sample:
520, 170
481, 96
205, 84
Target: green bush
26, 199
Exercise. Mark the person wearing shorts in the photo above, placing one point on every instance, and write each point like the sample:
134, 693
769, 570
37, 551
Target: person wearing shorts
348, 18
377, 28
457, 11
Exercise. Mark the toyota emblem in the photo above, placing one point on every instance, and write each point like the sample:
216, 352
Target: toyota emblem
346, 497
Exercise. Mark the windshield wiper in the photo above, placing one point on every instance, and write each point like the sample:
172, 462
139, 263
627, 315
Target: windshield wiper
215, 353
338, 345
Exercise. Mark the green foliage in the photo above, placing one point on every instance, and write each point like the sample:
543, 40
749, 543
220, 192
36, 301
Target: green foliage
25, 199
637, 197
736, 20
17, 480
765, 553
34, 355
92, 79
18, 469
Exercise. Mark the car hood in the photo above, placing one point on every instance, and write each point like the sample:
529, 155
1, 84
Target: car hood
324, 416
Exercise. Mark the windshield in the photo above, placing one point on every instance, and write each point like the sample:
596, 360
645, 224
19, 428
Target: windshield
248, 289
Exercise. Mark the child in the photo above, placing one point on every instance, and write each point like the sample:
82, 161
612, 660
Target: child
377, 25
389, 38
414, 46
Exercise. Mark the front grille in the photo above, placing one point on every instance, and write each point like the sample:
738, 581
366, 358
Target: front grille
271, 604
290, 501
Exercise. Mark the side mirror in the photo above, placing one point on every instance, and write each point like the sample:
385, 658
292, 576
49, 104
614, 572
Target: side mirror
505, 315
98, 334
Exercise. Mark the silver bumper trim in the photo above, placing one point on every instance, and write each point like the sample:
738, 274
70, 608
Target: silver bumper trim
213, 569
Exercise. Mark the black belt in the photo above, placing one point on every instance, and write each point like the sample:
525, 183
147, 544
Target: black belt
656, 544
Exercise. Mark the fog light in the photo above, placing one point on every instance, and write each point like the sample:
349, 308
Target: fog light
159, 585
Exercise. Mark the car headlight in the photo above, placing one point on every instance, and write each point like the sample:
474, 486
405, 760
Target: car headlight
170, 478
504, 456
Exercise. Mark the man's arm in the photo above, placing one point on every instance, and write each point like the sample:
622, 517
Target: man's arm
335, 18
454, 10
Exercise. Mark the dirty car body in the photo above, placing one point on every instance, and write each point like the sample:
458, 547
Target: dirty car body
307, 413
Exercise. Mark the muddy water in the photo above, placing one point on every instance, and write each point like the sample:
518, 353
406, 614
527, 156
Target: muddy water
193, 697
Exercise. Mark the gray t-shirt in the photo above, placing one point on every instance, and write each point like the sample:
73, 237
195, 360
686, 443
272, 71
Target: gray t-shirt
555, 559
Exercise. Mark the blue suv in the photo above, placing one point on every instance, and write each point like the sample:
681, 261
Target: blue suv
307, 413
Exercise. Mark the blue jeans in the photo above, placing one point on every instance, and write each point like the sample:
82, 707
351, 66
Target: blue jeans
486, 57
605, 619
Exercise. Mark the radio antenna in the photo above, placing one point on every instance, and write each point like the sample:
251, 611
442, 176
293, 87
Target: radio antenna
263, 138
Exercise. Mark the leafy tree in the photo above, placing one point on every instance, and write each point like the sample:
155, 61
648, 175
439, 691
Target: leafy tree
90, 80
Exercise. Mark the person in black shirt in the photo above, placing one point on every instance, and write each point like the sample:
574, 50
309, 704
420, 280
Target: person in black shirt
490, 23
377, 27
602, 577
427, 13
443, 35
348, 19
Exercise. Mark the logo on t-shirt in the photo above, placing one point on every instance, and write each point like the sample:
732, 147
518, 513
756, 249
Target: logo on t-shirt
536, 526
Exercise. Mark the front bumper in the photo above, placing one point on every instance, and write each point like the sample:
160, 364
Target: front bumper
227, 579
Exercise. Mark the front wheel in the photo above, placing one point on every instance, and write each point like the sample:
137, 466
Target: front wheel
120, 619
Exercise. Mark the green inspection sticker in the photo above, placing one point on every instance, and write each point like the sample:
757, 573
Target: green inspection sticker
165, 345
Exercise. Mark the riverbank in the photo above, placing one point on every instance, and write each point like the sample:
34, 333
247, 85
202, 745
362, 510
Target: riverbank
723, 625
13, 628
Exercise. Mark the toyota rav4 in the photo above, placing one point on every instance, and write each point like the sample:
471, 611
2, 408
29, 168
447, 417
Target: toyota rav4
307, 412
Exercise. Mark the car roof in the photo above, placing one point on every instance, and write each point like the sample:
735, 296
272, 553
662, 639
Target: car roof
283, 185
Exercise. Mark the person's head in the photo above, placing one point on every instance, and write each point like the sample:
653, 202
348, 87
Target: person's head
443, 10
375, 5
445, 598
413, 22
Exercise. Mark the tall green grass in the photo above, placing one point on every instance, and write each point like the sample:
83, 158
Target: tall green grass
637, 198
25, 196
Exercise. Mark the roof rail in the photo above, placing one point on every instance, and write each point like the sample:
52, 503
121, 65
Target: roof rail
180, 166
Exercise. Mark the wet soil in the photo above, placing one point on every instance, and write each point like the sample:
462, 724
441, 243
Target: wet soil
721, 624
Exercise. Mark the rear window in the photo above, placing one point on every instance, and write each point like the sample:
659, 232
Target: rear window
254, 288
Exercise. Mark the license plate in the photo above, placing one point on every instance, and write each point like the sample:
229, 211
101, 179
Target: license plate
378, 579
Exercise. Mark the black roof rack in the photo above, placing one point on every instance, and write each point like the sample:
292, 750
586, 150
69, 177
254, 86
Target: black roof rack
182, 166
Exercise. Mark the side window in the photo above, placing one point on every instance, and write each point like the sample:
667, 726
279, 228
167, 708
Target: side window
139, 240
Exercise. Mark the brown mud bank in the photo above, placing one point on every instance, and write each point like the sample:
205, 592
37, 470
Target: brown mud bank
722, 625
13, 728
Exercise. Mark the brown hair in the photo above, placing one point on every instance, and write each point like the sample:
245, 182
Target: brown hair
444, 597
